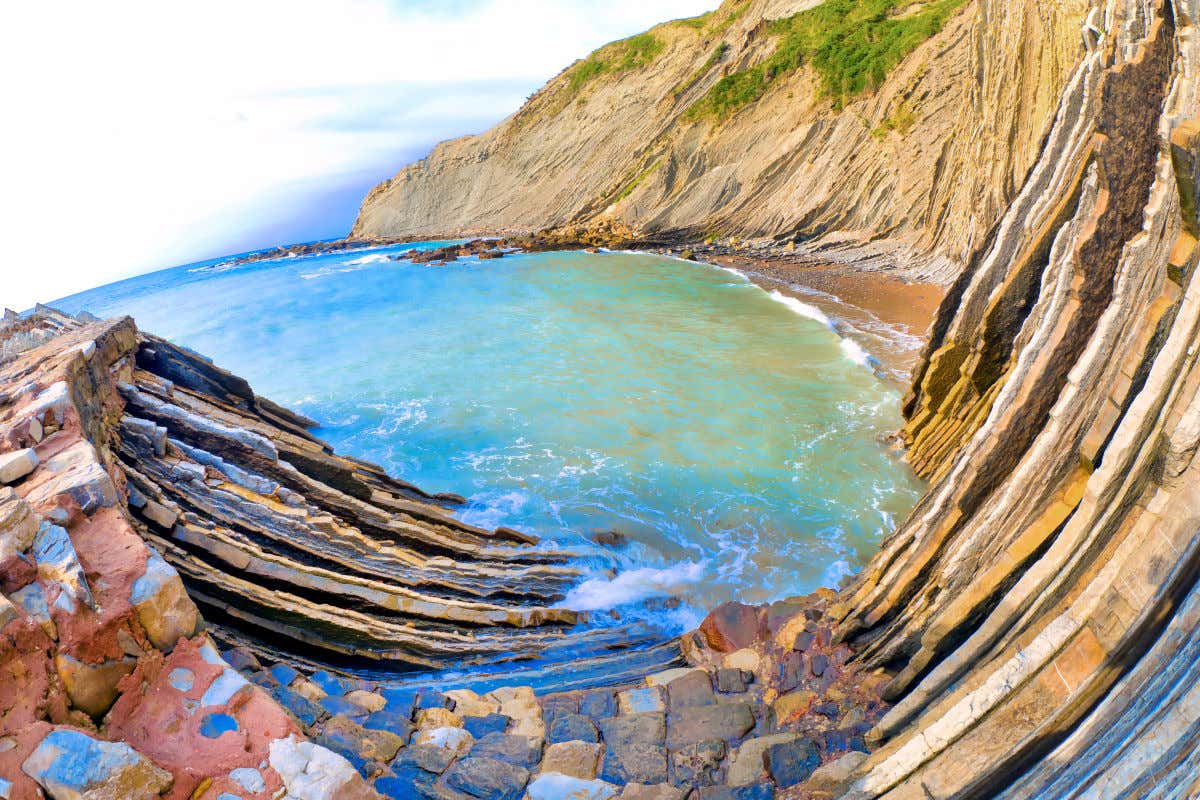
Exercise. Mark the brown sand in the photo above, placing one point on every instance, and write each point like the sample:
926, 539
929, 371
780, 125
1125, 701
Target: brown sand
872, 305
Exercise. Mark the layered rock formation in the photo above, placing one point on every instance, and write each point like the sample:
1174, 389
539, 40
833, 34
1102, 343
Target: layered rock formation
1038, 603
919, 169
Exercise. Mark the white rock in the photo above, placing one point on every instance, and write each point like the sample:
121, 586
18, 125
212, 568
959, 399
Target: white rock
309, 771
17, 464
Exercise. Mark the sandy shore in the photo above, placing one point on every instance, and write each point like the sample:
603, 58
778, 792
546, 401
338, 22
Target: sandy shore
888, 316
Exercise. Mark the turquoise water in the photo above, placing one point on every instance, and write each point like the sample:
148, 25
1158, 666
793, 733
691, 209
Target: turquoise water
730, 435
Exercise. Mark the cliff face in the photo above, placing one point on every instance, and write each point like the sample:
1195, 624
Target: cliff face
922, 166
1040, 602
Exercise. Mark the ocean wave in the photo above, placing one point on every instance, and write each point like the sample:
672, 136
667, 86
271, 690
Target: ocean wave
855, 352
803, 309
491, 509
374, 258
632, 586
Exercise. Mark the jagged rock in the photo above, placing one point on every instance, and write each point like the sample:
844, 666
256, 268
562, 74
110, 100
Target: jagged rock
17, 464
70, 765
58, 565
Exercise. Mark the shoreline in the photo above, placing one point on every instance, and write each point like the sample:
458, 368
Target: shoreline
885, 315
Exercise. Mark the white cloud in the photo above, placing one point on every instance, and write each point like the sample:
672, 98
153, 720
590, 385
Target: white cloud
147, 133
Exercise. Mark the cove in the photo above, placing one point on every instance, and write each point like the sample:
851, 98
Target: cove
725, 443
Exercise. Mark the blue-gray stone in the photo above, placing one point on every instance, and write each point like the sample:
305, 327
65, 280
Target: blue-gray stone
284, 674
480, 727
301, 707
213, 725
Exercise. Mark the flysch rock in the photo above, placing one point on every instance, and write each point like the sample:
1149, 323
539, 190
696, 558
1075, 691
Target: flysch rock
17, 464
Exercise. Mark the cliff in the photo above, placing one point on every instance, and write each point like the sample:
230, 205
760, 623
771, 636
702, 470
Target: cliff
653, 144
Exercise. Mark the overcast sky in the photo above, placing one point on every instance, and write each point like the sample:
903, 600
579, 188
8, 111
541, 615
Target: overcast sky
150, 134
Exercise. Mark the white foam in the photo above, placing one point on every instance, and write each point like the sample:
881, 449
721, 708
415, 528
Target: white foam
803, 309
632, 586
371, 259
855, 352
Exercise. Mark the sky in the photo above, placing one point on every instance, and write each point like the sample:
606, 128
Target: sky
145, 134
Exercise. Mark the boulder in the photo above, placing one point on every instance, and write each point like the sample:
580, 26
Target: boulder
17, 464
70, 765
730, 626
58, 564
163, 607
92, 688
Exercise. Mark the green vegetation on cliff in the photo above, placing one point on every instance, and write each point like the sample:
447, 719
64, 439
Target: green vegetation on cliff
625, 54
852, 44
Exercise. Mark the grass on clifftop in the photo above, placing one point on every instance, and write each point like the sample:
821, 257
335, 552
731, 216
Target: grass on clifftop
636, 51
852, 45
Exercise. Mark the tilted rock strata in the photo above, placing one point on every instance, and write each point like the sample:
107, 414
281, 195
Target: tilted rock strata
981, 95
107, 687
1038, 602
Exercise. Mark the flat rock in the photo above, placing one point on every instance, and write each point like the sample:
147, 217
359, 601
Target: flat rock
690, 690
634, 762
577, 759
728, 721
659, 791
638, 701
649, 729
514, 749
598, 704
553, 786
482, 726
568, 727
426, 757
487, 778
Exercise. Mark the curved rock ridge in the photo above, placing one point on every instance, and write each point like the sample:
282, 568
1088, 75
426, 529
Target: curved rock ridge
919, 169
1038, 605
109, 687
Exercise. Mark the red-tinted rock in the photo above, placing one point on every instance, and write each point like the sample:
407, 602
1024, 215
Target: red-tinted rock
730, 626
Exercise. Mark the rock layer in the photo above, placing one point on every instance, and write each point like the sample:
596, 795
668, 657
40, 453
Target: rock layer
622, 153
1035, 602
